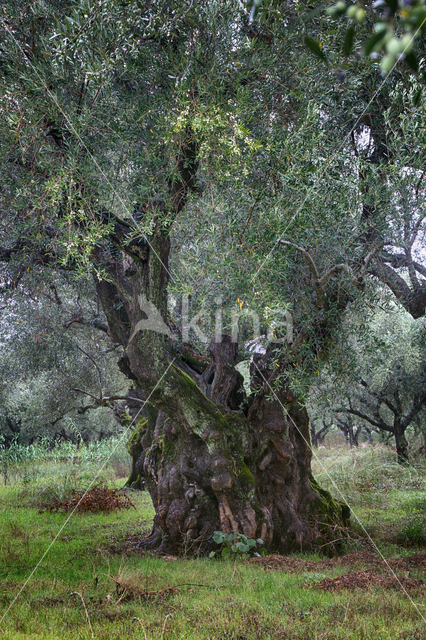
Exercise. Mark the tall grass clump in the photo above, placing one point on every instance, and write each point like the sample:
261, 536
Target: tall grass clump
41, 459
360, 469
387, 499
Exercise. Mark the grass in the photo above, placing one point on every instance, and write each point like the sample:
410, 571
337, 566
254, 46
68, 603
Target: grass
387, 500
29, 464
82, 589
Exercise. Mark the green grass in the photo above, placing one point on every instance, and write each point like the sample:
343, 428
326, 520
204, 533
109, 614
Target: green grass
31, 463
69, 570
387, 500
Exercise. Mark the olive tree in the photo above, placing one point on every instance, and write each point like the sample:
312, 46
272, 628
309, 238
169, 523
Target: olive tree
143, 141
57, 362
382, 387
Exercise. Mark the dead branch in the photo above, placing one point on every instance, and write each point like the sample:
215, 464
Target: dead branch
97, 369
131, 591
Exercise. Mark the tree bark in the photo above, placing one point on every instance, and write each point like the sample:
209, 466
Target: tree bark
401, 444
214, 469
210, 458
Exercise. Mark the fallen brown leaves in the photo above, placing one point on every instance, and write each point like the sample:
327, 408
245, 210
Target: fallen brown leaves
295, 565
381, 576
365, 579
98, 498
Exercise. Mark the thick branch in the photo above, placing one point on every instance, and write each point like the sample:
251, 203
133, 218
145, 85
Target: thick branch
103, 402
399, 261
380, 424
379, 397
413, 301
418, 402
319, 282
411, 270
305, 254
415, 231
357, 281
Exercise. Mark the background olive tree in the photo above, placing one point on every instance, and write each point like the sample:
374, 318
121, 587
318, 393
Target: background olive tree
58, 367
379, 384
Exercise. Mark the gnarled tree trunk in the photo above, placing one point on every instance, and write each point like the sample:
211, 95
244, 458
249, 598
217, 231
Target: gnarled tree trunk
208, 464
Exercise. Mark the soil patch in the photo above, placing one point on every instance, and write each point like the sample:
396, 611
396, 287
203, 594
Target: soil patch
366, 579
296, 565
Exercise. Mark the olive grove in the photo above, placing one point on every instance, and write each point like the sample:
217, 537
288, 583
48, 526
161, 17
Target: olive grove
199, 164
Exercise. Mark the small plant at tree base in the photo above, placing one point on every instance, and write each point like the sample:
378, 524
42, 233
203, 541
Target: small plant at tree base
236, 545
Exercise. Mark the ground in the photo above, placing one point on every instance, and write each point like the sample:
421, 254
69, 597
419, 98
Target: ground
82, 577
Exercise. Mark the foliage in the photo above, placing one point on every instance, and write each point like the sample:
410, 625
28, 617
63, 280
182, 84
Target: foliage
55, 355
378, 382
396, 25
235, 545
256, 184
412, 533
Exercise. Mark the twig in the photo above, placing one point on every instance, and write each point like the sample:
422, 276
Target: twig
164, 625
419, 182
76, 593
160, 591
86, 393
326, 544
97, 368
143, 628
121, 597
